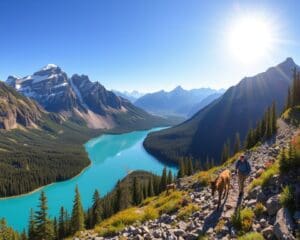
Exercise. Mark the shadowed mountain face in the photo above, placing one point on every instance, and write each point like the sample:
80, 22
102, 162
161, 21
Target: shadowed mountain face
81, 100
178, 102
237, 110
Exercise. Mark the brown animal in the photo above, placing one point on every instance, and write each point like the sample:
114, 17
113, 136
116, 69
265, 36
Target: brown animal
221, 184
171, 186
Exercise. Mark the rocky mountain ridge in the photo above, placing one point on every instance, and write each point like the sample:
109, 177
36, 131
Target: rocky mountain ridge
78, 98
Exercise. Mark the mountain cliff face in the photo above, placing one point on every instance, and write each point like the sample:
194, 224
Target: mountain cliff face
237, 110
16, 110
176, 102
81, 100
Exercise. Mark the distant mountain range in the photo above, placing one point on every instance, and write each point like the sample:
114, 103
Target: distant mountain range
178, 102
239, 108
81, 100
131, 96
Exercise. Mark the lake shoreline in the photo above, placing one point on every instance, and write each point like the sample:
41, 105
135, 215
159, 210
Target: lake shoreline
47, 185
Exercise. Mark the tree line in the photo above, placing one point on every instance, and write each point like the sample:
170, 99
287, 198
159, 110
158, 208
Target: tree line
293, 98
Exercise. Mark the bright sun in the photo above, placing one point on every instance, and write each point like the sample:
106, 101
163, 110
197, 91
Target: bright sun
250, 38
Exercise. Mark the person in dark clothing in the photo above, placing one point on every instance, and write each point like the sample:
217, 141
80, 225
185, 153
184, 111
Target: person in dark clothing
243, 169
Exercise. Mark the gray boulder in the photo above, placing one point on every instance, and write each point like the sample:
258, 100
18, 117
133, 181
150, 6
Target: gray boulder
268, 233
273, 205
283, 226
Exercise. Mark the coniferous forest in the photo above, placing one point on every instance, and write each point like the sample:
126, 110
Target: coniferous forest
130, 191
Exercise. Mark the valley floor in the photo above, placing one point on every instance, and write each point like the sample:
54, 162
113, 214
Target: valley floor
217, 224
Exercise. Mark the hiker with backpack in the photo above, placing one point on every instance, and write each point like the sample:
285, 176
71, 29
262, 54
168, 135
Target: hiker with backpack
243, 169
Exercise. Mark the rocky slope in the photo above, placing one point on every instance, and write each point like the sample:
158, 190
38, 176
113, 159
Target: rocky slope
18, 111
79, 99
239, 108
274, 223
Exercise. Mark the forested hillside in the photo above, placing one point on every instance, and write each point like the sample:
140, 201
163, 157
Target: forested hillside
239, 109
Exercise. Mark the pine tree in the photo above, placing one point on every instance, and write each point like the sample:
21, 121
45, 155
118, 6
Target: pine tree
237, 143
170, 177
156, 184
163, 180
225, 152
150, 187
23, 235
44, 227
123, 198
77, 218
189, 167
181, 171
96, 208
31, 226
197, 165
137, 192
67, 223
274, 118
206, 165
145, 191
61, 224
289, 99
283, 160
55, 227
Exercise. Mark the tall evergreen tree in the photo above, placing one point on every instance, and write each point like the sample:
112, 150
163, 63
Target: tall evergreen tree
67, 223
237, 143
163, 180
189, 167
96, 208
77, 218
137, 192
170, 177
31, 226
55, 227
289, 99
23, 235
61, 224
274, 118
225, 152
123, 198
181, 171
150, 187
44, 227
145, 191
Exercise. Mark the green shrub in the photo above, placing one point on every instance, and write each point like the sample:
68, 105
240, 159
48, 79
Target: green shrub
259, 209
251, 236
242, 220
264, 178
287, 198
247, 216
187, 211
149, 214
289, 159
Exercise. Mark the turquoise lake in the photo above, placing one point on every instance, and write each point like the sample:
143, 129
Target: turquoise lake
112, 156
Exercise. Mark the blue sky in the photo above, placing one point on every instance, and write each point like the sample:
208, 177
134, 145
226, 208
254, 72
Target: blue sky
145, 45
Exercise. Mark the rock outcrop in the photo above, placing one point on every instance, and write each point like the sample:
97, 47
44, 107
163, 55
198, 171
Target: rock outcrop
16, 110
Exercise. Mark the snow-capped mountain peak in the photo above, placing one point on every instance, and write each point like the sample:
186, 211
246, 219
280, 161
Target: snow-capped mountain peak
49, 66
